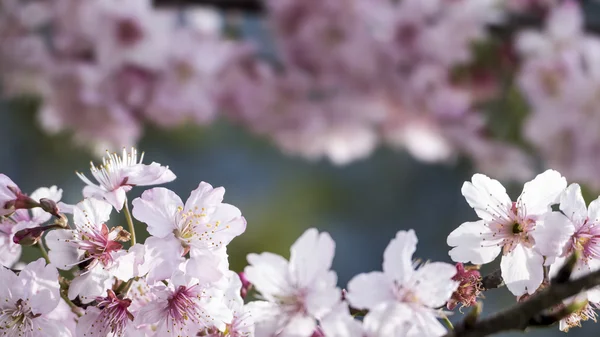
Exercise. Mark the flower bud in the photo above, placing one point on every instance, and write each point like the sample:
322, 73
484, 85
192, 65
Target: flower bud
49, 206
469, 288
246, 285
28, 236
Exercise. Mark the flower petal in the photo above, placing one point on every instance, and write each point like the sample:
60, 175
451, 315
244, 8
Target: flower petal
573, 205
157, 207
268, 272
432, 283
473, 242
397, 258
541, 192
522, 270
552, 234
368, 290
311, 257
487, 197
90, 214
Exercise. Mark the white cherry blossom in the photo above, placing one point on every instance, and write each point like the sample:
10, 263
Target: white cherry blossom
508, 227
27, 299
117, 175
203, 225
406, 289
296, 293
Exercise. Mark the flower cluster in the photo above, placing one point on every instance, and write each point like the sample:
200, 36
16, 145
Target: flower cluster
334, 79
533, 238
178, 281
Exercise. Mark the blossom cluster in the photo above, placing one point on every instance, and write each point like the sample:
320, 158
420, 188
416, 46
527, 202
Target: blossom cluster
533, 239
178, 281
334, 79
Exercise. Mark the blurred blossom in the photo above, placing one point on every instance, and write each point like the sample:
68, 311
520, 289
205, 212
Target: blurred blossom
561, 78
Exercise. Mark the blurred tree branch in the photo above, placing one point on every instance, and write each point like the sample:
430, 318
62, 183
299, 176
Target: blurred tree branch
513, 23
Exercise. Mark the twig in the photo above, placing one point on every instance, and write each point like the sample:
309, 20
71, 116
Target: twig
519, 317
129, 222
254, 6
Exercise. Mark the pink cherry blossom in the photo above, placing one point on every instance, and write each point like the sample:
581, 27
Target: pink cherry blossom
418, 290
117, 175
184, 307
111, 316
9, 193
294, 293
27, 299
508, 227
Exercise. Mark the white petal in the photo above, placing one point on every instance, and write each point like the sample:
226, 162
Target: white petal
205, 196
157, 207
573, 205
541, 192
144, 175
366, 291
594, 210
339, 323
473, 242
91, 214
552, 234
487, 197
205, 268
40, 281
522, 270
299, 326
61, 252
311, 257
91, 324
162, 257
397, 258
323, 297
127, 264
432, 283
44, 327
393, 320
117, 197
268, 272
426, 324
90, 285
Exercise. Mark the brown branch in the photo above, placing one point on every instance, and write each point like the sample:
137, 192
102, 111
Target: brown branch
520, 316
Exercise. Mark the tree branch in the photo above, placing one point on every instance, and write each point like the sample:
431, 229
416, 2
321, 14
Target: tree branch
252, 6
520, 315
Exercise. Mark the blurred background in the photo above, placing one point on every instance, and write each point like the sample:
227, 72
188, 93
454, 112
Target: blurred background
360, 118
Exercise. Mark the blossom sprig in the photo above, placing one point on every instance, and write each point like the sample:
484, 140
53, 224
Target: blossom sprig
178, 281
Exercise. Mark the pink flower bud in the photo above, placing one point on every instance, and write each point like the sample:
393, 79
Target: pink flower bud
29, 236
246, 285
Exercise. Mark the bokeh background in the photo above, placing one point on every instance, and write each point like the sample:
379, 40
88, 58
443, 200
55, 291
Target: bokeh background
362, 204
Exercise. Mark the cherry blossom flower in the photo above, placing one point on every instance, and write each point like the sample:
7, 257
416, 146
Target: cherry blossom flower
202, 225
22, 219
117, 175
508, 227
242, 324
185, 306
111, 316
420, 290
294, 293
96, 247
27, 299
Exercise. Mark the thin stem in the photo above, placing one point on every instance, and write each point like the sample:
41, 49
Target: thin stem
129, 222
447, 322
75, 309
40, 245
